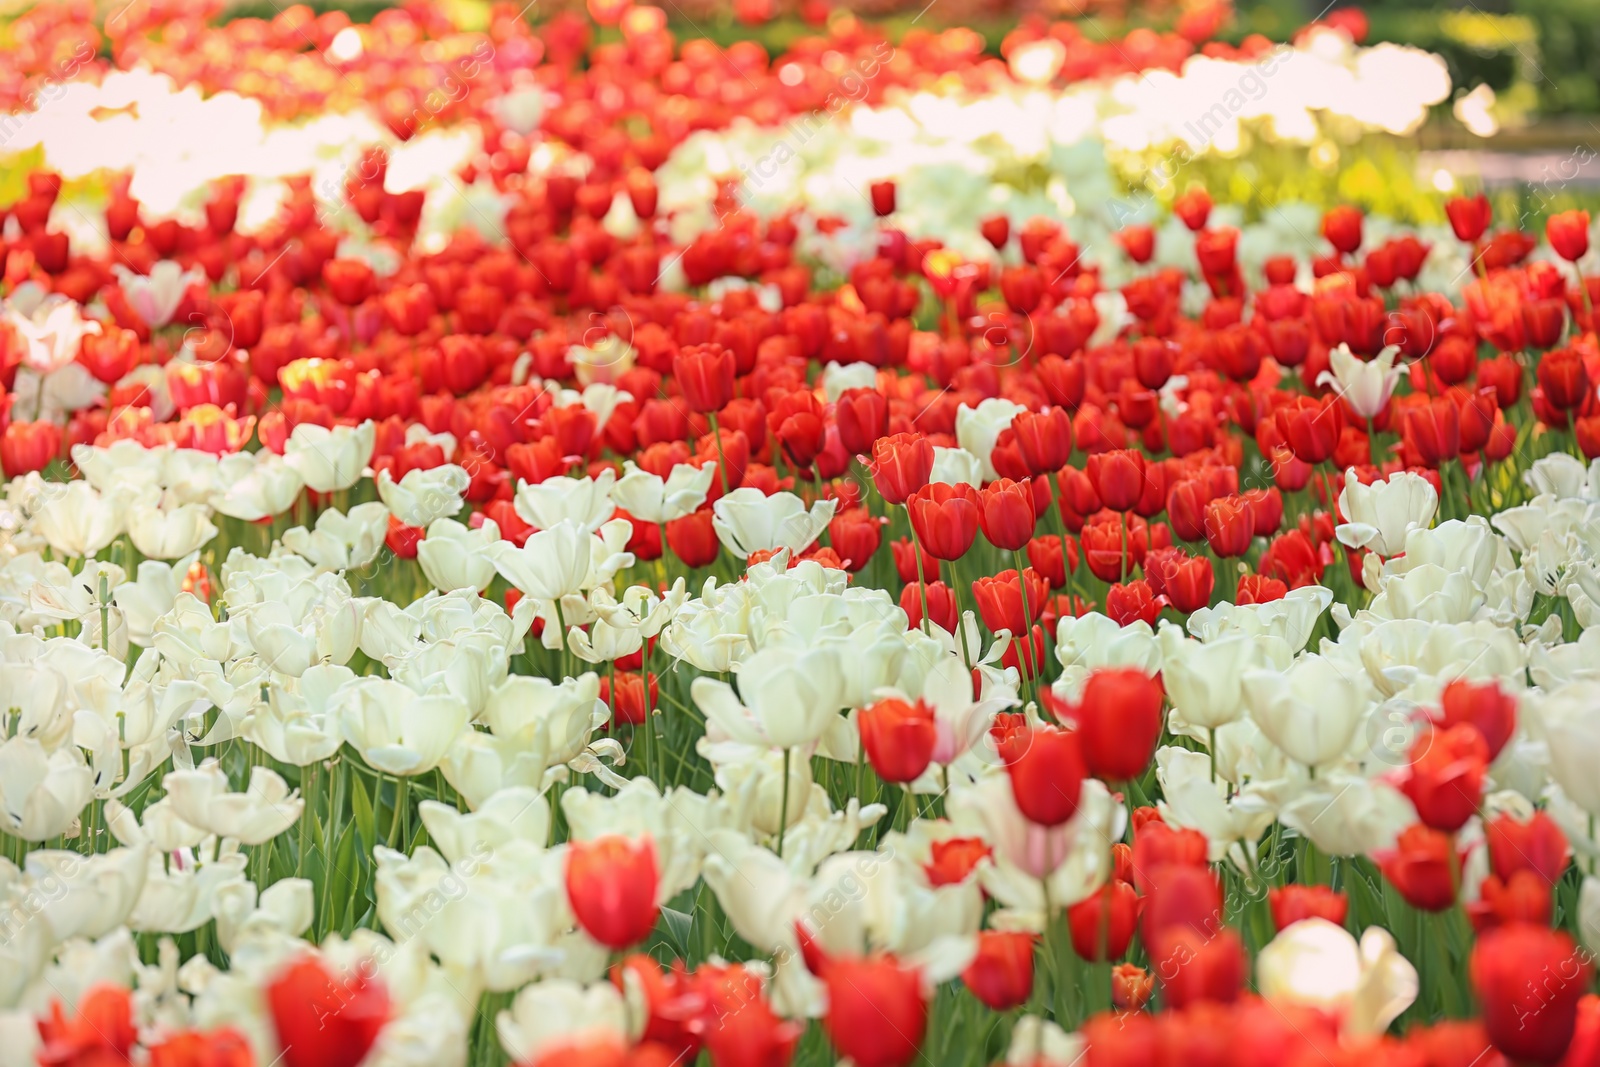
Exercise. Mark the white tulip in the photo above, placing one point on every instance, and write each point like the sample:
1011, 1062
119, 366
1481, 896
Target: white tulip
585, 501
649, 498
1429, 593
200, 797
1281, 627
1365, 386
423, 496
298, 725
1311, 711
1570, 719
43, 792
551, 563
1203, 680
977, 429
167, 533
454, 556
1559, 475
837, 377
330, 459
1342, 814
747, 521
1093, 642
564, 716
50, 328
255, 485
1192, 798
955, 466
78, 521
554, 1012
1315, 964
341, 541
395, 730
155, 297
787, 698
1382, 514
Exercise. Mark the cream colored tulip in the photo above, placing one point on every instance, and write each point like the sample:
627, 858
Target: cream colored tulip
1316, 964
1312, 711
1380, 515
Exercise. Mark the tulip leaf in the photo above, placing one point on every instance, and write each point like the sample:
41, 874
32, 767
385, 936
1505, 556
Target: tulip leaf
361, 808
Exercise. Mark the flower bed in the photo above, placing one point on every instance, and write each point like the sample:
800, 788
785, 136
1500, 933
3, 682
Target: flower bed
529, 586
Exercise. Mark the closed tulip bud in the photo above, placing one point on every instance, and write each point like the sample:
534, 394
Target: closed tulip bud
1195, 969
1536, 845
1525, 898
1022, 287
1138, 241
1469, 216
1063, 380
349, 280
883, 198
626, 697
1119, 717
1292, 903
705, 375
611, 888
1310, 427
1001, 972
1117, 476
996, 229
855, 535
1193, 206
1026, 655
1005, 511
901, 465
1189, 584
1004, 603
1342, 227
1483, 705
1423, 867
1433, 430
941, 605
225, 1047
1131, 987
862, 416
1266, 509
898, 738
1103, 546
1158, 847
877, 1014
1131, 602
1568, 233
26, 447
1102, 925
693, 538
1044, 439
1230, 526
1564, 379
322, 1021
1542, 323
1046, 767
945, 518
1051, 561
1529, 982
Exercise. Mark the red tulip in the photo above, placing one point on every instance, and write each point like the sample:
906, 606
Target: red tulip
1194, 968
1193, 206
1564, 379
901, 465
1341, 225
350, 280
1537, 845
945, 518
1484, 705
877, 1014
1568, 233
741, 1029
705, 374
1118, 477
1119, 718
862, 416
693, 539
1138, 241
1469, 216
1053, 561
322, 1021
1004, 603
1047, 771
1230, 526
1131, 987
996, 229
1292, 903
1001, 973
1102, 924
898, 738
883, 197
611, 886
1135, 601
1433, 430
101, 1034
1529, 982
1044, 439
226, 1047
28, 446
1424, 868
1005, 511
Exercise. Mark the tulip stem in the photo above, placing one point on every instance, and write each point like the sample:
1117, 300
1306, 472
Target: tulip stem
961, 620
1025, 657
783, 808
1124, 561
722, 461
922, 581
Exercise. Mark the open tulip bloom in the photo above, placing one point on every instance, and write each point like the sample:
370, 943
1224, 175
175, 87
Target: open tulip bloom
501, 562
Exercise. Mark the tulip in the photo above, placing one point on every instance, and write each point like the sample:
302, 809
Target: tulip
1311, 711
1536, 845
1001, 972
329, 460
28, 446
1118, 477
1341, 226
705, 375
225, 1047
611, 886
1005, 603
1119, 718
1044, 439
1229, 526
1102, 925
1434, 431
1131, 987
102, 1032
1423, 868
945, 518
901, 465
883, 197
1022, 287
1138, 241
1469, 216
1315, 963
1527, 975
941, 605
1047, 770
1568, 233
1193, 206
877, 1014
743, 1030
1564, 379
1365, 386
862, 416
349, 280
1310, 428
693, 538
1194, 968
324, 1021
1005, 511
1051, 560
1445, 778
1293, 903
898, 738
